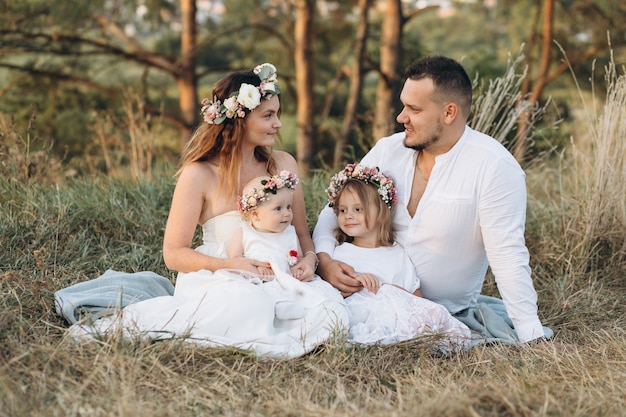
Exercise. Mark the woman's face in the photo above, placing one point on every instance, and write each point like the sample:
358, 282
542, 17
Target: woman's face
263, 123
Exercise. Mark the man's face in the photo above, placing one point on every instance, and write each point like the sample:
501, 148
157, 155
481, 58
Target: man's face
421, 116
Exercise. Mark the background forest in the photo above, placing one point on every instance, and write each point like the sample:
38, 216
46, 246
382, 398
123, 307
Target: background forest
96, 99
99, 72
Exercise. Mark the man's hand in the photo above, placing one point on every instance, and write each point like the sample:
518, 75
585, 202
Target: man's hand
338, 274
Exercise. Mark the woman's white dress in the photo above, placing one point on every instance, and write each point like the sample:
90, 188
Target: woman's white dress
225, 309
392, 314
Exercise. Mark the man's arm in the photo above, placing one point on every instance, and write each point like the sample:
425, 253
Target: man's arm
502, 212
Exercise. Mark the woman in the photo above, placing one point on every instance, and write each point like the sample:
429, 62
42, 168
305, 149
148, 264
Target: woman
233, 146
223, 155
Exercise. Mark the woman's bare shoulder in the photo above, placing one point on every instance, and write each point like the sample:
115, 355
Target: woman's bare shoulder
198, 176
285, 160
200, 169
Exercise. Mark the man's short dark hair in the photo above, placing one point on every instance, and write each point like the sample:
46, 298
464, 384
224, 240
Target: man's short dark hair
452, 84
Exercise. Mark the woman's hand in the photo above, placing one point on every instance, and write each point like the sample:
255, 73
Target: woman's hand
304, 270
250, 265
338, 274
369, 281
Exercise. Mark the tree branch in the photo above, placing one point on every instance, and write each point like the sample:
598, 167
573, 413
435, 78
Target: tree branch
59, 76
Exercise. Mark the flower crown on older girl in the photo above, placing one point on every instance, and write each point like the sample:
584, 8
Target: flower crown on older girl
246, 99
369, 175
256, 196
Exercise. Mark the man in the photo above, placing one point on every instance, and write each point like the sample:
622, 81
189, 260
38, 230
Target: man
462, 201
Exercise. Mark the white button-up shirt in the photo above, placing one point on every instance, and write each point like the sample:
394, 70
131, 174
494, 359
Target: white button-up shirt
471, 216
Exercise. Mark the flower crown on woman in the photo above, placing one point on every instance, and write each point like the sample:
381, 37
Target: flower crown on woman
243, 101
369, 175
256, 196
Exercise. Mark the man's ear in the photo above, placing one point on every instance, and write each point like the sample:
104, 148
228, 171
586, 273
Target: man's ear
451, 112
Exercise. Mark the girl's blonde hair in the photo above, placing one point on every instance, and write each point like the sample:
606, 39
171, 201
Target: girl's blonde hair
223, 141
369, 197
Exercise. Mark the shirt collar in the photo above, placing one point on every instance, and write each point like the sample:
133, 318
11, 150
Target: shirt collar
457, 146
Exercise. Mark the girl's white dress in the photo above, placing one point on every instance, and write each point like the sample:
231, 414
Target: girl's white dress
392, 314
226, 309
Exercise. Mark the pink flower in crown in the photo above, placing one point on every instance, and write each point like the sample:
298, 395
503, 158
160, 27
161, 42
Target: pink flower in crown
211, 112
269, 186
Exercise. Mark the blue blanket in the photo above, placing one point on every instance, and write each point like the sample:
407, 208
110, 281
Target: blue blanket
108, 293
489, 322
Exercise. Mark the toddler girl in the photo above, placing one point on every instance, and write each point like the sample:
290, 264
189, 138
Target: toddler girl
267, 235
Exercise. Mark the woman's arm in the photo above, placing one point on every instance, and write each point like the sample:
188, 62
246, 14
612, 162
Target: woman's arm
187, 206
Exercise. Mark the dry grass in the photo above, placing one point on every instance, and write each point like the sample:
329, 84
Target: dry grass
53, 236
57, 377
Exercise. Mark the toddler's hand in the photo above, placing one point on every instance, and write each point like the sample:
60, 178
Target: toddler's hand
369, 281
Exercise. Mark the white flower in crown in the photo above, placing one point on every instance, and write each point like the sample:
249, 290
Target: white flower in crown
268, 88
231, 104
249, 96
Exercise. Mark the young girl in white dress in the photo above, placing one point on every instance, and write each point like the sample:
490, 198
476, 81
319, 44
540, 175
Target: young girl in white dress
267, 235
389, 308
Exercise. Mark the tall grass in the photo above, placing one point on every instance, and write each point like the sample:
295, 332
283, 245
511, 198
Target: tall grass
500, 105
56, 233
600, 165
577, 212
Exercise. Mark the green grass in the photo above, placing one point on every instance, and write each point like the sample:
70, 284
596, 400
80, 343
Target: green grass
52, 236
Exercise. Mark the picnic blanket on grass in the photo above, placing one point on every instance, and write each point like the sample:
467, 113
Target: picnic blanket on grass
114, 290
490, 323
108, 293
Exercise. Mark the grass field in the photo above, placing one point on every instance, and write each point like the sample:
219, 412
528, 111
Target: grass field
52, 236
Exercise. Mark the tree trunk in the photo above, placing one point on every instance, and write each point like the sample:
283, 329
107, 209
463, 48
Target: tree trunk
390, 58
304, 83
547, 37
356, 84
186, 78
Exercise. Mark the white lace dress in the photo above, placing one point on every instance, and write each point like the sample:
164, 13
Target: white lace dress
224, 309
392, 314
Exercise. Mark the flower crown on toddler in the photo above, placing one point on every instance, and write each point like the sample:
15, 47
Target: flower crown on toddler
257, 196
247, 98
369, 175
